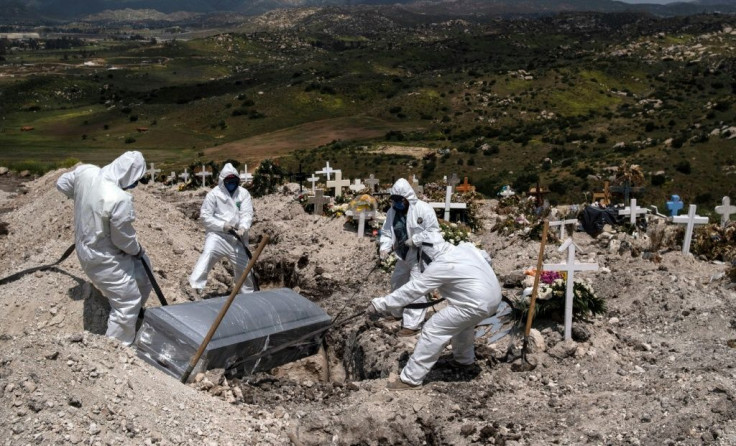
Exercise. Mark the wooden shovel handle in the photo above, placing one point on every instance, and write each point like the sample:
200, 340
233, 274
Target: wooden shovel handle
537, 274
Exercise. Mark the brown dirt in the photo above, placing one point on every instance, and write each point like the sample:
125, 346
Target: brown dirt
657, 369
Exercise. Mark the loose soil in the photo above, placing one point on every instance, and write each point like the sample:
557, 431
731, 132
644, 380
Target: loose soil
657, 369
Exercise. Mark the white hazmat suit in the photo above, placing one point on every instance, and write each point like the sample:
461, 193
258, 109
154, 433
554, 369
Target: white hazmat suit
105, 239
424, 230
221, 209
463, 277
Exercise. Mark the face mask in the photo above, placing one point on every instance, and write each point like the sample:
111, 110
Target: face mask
131, 186
399, 205
231, 186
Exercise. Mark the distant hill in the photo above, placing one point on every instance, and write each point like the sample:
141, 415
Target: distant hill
38, 10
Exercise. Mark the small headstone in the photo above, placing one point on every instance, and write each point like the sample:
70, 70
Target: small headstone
691, 219
319, 200
725, 209
674, 205
448, 204
569, 267
338, 183
327, 170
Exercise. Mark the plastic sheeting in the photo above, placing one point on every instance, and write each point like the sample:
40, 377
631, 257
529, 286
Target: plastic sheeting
255, 324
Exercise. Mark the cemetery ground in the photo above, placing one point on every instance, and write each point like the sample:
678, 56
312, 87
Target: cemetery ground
657, 368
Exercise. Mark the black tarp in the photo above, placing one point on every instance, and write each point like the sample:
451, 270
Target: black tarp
594, 218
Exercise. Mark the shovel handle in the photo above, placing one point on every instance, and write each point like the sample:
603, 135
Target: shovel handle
223, 311
535, 288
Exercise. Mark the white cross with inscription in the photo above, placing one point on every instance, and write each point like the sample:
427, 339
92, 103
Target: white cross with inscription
184, 175
246, 177
570, 267
357, 186
338, 184
372, 181
562, 224
313, 179
152, 171
632, 211
327, 170
204, 174
691, 219
725, 210
448, 204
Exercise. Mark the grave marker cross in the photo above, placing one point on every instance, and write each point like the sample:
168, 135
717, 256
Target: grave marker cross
604, 196
204, 174
362, 216
372, 182
726, 209
313, 179
691, 219
246, 177
562, 224
538, 193
319, 201
448, 204
338, 184
626, 189
300, 177
327, 170
632, 211
674, 205
465, 187
152, 171
184, 175
570, 267
357, 186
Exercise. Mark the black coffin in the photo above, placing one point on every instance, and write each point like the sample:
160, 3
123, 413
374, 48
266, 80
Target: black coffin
251, 337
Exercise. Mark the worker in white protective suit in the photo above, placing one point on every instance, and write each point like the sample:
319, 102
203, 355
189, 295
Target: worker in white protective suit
411, 227
106, 242
464, 277
226, 209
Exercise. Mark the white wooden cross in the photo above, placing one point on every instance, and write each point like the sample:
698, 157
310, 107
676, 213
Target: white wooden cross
362, 216
152, 171
184, 175
246, 177
570, 267
204, 174
327, 170
506, 192
448, 204
691, 219
372, 181
313, 179
632, 211
339, 183
319, 200
725, 210
562, 224
357, 186
171, 178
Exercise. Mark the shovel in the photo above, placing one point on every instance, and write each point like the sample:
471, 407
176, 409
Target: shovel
525, 365
250, 256
18, 275
154, 284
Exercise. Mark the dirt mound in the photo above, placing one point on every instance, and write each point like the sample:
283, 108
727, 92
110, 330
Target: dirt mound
657, 369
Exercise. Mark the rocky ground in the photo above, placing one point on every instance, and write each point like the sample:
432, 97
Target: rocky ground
658, 368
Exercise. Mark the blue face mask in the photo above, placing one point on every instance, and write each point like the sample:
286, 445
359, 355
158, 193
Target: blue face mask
231, 186
399, 205
131, 186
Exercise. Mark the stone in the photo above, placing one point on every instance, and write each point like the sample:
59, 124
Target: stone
563, 349
74, 402
536, 341
467, 430
3, 170
580, 333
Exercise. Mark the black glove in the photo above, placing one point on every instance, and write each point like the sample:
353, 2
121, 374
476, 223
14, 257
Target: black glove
372, 313
141, 252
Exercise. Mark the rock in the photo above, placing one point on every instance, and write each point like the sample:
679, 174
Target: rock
563, 349
580, 333
467, 430
613, 321
74, 402
76, 337
536, 341
94, 429
24, 173
3, 170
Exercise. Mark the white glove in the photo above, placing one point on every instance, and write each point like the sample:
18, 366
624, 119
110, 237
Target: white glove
372, 313
409, 242
227, 227
383, 254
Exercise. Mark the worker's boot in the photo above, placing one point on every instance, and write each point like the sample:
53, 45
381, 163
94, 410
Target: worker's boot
401, 385
405, 332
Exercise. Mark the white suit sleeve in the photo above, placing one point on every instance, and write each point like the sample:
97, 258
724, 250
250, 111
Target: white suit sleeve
122, 232
65, 183
246, 212
432, 277
207, 214
387, 234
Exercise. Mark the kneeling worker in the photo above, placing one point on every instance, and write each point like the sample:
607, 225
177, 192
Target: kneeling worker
227, 208
463, 276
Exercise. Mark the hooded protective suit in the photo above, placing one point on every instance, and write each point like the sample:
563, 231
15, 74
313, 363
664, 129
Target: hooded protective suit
220, 209
105, 239
424, 230
471, 288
